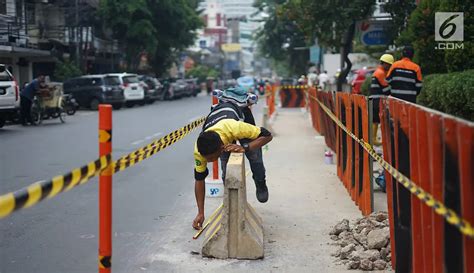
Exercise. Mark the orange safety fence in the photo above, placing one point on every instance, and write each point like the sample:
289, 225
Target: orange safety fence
321, 121
352, 161
435, 151
293, 96
314, 110
270, 97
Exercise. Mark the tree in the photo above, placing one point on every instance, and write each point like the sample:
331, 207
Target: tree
176, 22
420, 33
66, 70
202, 73
279, 37
131, 23
400, 12
161, 28
332, 22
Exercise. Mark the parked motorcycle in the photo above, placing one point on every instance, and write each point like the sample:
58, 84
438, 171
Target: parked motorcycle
70, 104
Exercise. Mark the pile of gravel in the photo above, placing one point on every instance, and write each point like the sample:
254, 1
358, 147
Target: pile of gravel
364, 244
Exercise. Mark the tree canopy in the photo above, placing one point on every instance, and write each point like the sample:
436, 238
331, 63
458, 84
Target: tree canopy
297, 23
162, 28
279, 37
420, 33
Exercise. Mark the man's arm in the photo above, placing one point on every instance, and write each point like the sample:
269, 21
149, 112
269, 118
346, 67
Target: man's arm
263, 138
199, 192
200, 174
419, 81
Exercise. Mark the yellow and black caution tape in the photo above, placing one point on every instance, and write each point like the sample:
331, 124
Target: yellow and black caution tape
451, 217
36, 192
156, 146
294, 86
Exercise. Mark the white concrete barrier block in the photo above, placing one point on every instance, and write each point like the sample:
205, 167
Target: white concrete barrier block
237, 231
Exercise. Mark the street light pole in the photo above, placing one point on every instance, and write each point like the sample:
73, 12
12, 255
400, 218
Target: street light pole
77, 31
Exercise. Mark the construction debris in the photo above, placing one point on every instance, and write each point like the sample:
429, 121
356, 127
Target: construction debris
363, 244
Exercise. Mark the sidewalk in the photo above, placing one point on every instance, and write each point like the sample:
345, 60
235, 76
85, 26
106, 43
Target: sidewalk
306, 200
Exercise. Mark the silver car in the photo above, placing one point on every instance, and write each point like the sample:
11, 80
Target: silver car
9, 96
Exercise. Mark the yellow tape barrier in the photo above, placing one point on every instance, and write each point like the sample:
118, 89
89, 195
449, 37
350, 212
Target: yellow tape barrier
38, 191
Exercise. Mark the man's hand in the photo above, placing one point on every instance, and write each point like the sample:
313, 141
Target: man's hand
234, 148
197, 223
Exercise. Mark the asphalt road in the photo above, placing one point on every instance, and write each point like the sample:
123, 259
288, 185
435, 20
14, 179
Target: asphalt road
60, 235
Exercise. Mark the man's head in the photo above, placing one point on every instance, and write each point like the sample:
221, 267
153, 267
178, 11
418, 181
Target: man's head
386, 60
210, 146
41, 78
237, 95
408, 52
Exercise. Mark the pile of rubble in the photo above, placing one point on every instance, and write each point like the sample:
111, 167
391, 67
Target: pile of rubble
364, 244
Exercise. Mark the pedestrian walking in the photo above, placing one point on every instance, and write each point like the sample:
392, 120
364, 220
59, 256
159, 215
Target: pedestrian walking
228, 122
26, 99
323, 79
404, 77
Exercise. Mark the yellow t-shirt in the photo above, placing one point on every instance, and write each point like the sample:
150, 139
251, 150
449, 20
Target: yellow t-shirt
229, 131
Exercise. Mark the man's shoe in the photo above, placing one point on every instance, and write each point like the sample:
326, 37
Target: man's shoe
262, 194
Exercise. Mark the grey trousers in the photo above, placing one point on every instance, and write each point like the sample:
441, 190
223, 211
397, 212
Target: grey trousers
256, 165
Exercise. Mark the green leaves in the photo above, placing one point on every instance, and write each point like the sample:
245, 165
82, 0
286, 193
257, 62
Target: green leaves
451, 93
420, 33
202, 72
159, 27
66, 70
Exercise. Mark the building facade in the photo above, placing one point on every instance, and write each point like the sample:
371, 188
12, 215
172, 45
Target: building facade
36, 34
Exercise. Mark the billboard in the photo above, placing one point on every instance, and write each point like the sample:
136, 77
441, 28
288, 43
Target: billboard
231, 47
373, 32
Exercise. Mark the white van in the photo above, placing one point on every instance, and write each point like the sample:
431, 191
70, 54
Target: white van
9, 96
132, 89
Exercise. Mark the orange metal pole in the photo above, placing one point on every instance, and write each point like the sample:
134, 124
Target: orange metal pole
105, 191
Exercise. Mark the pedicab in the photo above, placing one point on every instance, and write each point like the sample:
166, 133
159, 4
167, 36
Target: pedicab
49, 104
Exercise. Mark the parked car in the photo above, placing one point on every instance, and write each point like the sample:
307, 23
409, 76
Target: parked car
91, 90
172, 89
248, 83
132, 89
193, 87
9, 96
153, 88
359, 78
181, 88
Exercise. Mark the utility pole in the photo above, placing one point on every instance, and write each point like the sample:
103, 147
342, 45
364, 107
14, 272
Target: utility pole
77, 32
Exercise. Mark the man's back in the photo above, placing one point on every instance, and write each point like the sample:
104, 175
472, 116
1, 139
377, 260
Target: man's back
30, 90
405, 79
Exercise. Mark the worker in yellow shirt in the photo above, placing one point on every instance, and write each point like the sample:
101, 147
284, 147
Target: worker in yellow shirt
221, 131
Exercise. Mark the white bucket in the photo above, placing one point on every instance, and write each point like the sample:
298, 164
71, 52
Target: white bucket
328, 158
214, 188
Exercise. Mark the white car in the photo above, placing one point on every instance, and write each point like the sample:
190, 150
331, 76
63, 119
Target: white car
132, 89
9, 96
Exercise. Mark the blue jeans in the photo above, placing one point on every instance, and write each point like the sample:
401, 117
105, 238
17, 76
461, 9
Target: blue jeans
255, 158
